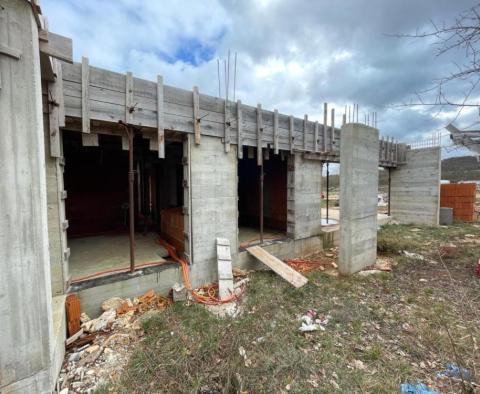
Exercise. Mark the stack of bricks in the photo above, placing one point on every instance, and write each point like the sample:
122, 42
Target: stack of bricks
460, 197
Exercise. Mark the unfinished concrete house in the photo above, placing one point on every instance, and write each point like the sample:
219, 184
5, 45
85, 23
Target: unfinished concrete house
97, 166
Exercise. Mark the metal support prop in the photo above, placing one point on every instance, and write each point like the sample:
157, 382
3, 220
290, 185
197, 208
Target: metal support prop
328, 176
131, 182
262, 175
389, 184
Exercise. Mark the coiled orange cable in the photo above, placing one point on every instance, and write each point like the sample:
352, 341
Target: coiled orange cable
210, 298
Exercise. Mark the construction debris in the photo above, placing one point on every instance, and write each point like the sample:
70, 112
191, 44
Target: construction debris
101, 355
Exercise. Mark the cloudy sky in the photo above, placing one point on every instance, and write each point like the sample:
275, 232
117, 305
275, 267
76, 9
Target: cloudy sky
291, 55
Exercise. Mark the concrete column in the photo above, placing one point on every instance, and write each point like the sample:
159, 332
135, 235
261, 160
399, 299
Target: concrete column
214, 204
415, 188
304, 198
358, 197
26, 344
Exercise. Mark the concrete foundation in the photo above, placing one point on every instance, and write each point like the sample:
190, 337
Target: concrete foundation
26, 329
358, 197
415, 188
304, 197
160, 279
213, 204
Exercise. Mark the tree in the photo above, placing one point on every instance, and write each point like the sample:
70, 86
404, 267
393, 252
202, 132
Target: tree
462, 35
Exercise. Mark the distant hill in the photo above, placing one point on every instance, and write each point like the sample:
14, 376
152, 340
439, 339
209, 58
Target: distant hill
464, 168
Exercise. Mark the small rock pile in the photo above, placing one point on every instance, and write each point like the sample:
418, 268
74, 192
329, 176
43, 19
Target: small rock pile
102, 351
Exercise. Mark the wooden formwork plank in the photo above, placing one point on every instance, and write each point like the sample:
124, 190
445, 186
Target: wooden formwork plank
129, 105
275, 131
259, 134
325, 116
332, 131
196, 115
279, 267
290, 132
226, 130
160, 118
305, 123
239, 130
85, 96
55, 94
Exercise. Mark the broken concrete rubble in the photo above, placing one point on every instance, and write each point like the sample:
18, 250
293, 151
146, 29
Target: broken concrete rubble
110, 340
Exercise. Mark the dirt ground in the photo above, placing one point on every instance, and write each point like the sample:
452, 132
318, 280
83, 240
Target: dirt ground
378, 331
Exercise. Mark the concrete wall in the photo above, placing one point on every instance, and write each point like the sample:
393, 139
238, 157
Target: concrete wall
304, 197
358, 197
415, 188
213, 203
26, 329
162, 281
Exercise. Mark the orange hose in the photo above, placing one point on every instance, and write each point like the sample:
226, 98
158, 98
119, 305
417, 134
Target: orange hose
210, 298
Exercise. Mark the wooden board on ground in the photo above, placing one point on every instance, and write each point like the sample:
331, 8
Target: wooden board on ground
278, 266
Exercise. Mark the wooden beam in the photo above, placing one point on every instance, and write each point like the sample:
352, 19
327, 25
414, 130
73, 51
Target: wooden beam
239, 130
196, 115
46, 68
85, 96
315, 144
275, 131
61, 98
57, 46
305, 123
290, 132
259, 134
129, 105
56, 112
160, 118
279, 267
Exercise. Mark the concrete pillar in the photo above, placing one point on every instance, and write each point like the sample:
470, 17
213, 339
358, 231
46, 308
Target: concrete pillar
304, 197
358, 197
214, 204
26, 343
415, 188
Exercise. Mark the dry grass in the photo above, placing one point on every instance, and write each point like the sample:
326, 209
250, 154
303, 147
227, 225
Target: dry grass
385, 329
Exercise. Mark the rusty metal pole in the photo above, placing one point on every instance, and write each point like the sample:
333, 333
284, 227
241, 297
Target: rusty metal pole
131, 197
261, 201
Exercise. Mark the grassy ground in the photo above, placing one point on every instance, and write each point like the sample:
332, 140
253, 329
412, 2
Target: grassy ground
384, 329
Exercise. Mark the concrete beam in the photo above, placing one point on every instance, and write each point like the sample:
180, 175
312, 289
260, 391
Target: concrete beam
358, 197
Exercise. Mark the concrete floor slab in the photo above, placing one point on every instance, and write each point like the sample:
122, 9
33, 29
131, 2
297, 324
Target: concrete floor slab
249, 236
90, 255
